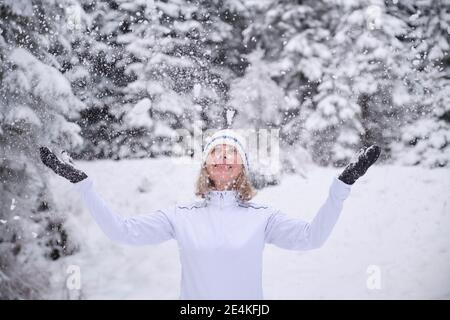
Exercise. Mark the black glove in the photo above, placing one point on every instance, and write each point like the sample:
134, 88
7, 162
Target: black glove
64, 168
358, 166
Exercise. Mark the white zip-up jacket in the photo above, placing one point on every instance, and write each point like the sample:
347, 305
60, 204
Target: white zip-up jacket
220, 238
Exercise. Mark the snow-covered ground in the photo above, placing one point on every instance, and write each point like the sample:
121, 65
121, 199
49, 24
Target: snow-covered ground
396, 219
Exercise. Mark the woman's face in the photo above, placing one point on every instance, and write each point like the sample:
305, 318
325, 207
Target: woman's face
223, 165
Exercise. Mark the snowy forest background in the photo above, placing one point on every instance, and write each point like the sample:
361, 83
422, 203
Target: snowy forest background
115, 79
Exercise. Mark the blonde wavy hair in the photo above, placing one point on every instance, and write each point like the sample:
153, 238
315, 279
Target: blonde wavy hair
242, 185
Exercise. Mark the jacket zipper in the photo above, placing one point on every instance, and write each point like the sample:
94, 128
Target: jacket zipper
221, 200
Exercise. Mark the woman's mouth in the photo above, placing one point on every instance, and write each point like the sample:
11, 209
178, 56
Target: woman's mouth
222, 166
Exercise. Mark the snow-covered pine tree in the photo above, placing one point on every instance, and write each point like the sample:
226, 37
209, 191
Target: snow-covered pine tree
146, 68
35, 103
257, 102
425, 137
346, 70
356, 101
183, 55
96, 69
256, 98
341, 69
294, 37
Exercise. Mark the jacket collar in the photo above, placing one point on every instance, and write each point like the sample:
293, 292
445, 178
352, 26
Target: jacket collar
222, 198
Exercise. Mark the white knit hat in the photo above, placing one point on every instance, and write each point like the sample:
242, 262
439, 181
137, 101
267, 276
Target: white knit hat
229, 137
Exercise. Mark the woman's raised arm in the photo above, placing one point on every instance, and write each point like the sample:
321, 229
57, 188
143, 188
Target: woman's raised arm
140, 229
150, 228
295, 233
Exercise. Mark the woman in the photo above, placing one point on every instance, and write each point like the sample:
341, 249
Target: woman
221, 237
